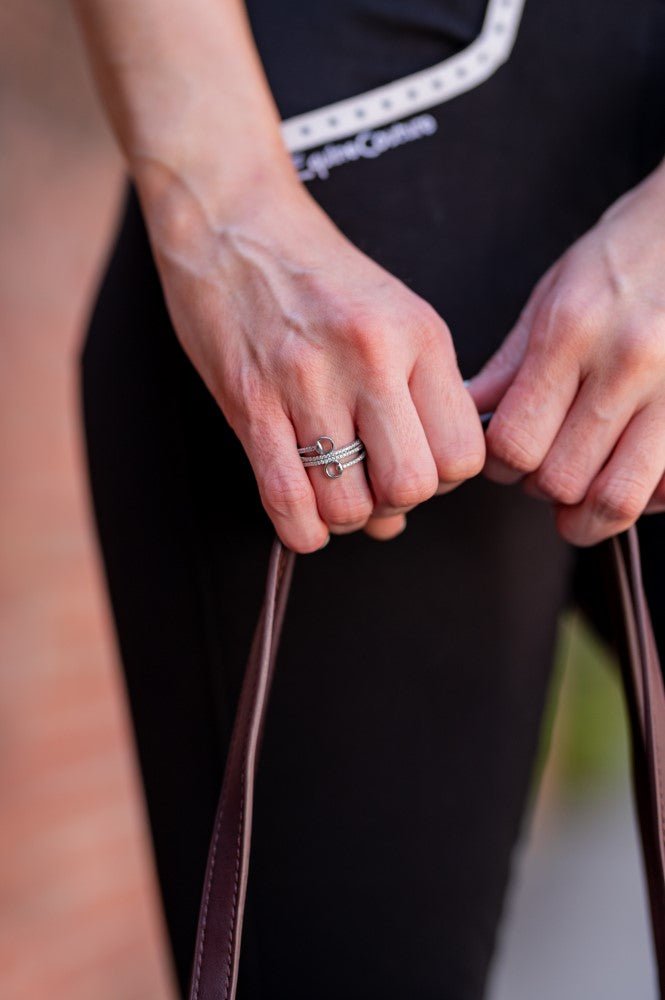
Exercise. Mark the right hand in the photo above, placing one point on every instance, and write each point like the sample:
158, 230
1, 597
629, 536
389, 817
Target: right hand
296, 333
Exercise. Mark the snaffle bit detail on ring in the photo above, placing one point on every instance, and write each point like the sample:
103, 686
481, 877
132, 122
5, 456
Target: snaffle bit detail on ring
334, 460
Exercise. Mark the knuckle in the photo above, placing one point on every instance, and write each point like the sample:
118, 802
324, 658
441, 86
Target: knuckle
407, 488
641, 348
284, 496
514, 446
561, 484
429, 330
359, 325
571, 317
346, 510
301, 366
379, 343
455, 468
370, 349
620, 502
365, 345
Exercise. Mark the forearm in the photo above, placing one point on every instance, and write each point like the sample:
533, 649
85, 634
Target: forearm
187, 98
291, 327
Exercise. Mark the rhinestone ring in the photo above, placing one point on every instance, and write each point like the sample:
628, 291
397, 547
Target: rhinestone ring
334, 460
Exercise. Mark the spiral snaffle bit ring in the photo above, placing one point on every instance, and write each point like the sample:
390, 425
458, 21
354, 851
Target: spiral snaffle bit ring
334, 460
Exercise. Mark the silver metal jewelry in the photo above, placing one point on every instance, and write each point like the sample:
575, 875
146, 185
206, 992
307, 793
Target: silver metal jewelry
319, 447
334, 460
334, 470
323, 458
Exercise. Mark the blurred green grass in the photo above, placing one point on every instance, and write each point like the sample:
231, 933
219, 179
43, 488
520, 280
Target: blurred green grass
585, 727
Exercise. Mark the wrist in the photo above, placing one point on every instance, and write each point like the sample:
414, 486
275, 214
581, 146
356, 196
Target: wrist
223, 188
185, 209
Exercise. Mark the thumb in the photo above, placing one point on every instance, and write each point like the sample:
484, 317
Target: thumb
489, 386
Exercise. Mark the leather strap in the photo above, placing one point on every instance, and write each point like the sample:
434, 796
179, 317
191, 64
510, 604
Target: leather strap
643, 682
217, 955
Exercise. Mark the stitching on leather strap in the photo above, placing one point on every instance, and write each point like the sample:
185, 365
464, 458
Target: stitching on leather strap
282, 562
236, 879
213, 861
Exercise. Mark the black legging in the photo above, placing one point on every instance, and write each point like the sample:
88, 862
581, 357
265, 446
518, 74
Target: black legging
412, 675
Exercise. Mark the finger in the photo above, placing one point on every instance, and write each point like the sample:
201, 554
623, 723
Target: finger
382, 529
489, 386
400, 464
528, 418
656, 504
284, 487
344, 503
448, 415
620, 493
583, 444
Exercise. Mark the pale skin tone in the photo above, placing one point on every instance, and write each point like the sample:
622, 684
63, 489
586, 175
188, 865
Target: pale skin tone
296, 333
578, 387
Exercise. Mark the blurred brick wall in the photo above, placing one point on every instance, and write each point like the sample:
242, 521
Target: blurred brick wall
78, 914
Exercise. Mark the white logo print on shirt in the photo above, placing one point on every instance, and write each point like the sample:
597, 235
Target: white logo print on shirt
393, 103
366, 145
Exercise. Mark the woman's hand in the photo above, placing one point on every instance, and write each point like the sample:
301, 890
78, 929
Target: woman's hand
296, 333
578, 387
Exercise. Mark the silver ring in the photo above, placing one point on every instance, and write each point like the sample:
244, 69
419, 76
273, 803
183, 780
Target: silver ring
323, 458
334, 470
334, 460
318, 448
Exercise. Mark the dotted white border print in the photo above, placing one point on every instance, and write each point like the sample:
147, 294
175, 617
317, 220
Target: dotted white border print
414, 93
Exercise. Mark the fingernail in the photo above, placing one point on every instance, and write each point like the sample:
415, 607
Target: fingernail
325, 543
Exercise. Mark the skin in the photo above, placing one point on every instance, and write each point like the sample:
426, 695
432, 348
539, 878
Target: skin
296, 333
578, 386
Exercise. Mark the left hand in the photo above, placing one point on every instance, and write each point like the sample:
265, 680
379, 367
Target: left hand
578, 386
